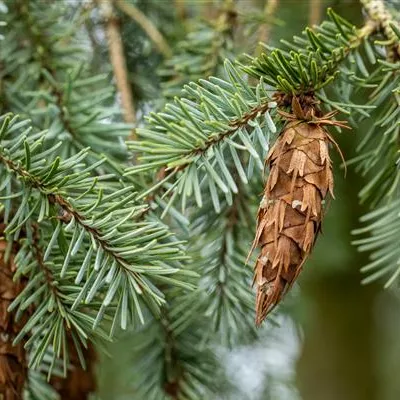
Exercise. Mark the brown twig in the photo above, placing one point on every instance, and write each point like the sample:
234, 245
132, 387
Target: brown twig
146, 24
68, 211
180, 9
314, 16
117, 58
171, 360
265, 29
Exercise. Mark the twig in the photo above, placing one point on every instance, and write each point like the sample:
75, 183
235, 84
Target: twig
68, 212
118, 62
314, 16
148, 26
78, 382
379, 13
265, 29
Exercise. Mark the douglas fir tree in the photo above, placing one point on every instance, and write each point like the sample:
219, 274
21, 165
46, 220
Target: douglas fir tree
102, 235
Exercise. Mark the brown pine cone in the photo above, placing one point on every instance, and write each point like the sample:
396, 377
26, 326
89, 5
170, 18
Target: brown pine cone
290, 213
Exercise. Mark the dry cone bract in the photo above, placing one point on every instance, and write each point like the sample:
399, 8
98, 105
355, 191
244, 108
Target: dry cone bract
13, 364
290, 212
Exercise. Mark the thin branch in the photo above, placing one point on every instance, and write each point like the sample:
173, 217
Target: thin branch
265, 29
69, 212
224, 29
117, 57
38, 254
79, 382
146, 24
180, 9
378, 12
314, 16
235, 125
37, 41
171, 361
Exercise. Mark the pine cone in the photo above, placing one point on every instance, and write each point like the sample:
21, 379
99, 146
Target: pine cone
13, 364
290, 213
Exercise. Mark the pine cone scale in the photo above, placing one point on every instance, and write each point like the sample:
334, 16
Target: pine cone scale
13, 363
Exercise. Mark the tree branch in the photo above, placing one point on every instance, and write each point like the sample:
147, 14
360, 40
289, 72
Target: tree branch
378, 12
235, 126
69, 212
180, 9
314, 16
49, 79
117, 58
265, 29
79, 382
145, 23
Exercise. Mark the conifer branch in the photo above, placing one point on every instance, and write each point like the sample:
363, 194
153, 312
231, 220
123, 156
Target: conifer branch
317, 62
234, 126
209, 125
79, 381
79, 119
223, 236
32, 253
92, 222
203, 113
378, 159
185, 367
70, 214
202, 52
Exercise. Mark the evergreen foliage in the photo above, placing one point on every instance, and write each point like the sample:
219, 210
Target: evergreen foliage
156, 244
202, 52
82, 233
